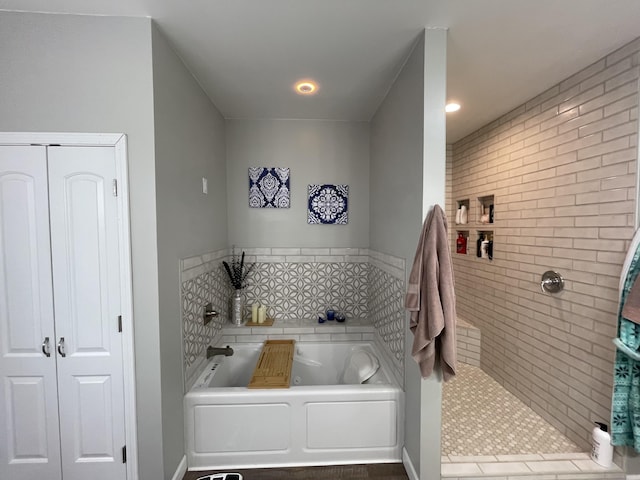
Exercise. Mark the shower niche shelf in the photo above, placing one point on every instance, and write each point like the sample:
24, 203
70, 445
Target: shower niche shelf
480, 226
486, 209
464, 201
459, 204
484, 244
462, 248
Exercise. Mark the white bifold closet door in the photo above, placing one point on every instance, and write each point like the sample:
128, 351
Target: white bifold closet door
30, 443
62, 400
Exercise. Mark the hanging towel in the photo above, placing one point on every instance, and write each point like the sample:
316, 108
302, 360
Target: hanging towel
625, 407
631, 309
431, 299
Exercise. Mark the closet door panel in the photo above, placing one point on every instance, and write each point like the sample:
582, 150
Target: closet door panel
86, 279
20, 285
83, 266
92, 396
29, 441
25, 397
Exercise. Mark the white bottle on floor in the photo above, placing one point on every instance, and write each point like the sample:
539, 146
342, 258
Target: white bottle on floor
602, 450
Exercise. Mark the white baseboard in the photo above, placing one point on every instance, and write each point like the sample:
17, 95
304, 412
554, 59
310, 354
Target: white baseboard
633, 477
408, 466
181, 470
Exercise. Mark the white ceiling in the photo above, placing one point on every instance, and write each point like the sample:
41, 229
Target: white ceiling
248, 53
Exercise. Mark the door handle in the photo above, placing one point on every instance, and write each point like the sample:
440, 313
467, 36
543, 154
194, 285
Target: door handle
61, 347
45, 347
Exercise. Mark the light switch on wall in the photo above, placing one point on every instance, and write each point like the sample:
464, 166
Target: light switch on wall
205, 186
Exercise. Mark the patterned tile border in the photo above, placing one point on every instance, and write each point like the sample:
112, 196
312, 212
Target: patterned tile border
386, 310
192, 267
397, 369
203, 280
305, 290
394, 266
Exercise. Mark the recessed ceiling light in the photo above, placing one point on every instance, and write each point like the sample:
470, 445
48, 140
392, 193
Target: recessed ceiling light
306, 87
452, 107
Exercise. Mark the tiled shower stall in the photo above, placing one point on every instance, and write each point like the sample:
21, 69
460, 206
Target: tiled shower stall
560, 171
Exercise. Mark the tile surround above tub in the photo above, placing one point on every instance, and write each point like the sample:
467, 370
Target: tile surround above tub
386, 304
386, 310
297, 284
301, 330
305, 290
202, 281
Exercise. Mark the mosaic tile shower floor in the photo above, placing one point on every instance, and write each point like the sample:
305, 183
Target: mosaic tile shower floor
480, 417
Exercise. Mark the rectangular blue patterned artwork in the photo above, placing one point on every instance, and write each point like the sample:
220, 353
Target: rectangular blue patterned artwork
269, 187
328, 204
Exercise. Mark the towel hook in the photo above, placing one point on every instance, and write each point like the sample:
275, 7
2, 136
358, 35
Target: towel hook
552, 282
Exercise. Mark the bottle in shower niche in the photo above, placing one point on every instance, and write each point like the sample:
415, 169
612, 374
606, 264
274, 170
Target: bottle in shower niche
484, 247
479, 245
461, 243
491, 247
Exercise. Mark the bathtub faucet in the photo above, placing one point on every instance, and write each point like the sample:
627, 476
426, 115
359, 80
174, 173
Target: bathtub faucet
213, 351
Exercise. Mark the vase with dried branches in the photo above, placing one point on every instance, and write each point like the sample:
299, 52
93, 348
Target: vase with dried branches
238, 272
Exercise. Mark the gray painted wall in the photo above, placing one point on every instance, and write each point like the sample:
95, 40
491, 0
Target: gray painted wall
396, 177
189, 145
433, 192
316, 151
408, 178
70, 73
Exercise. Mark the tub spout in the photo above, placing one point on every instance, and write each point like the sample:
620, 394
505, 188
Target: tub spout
213, 351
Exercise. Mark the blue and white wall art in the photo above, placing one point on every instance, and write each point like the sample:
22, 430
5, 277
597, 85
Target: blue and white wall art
269, 187
328, 204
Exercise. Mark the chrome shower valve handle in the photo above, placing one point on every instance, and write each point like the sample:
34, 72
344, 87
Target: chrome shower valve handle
552, 282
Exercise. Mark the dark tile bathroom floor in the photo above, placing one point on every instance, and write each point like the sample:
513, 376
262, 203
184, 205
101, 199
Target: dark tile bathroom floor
381, 471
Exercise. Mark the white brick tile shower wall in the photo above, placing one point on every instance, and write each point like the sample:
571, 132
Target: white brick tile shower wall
468, 342
297, 284
562, 168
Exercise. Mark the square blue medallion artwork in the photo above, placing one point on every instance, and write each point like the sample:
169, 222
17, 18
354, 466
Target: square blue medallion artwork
269, 187
328, 204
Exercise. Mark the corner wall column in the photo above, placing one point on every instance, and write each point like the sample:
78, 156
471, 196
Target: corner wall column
433, 192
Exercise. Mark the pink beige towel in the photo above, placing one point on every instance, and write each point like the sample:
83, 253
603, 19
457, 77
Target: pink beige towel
431, 299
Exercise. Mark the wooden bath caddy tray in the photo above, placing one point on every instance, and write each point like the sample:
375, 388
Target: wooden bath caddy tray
267, 323
273, 369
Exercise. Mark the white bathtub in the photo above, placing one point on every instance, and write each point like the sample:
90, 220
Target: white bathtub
315, 422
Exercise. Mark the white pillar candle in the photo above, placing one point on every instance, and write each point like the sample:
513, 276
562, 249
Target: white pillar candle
254, 312
262, 314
